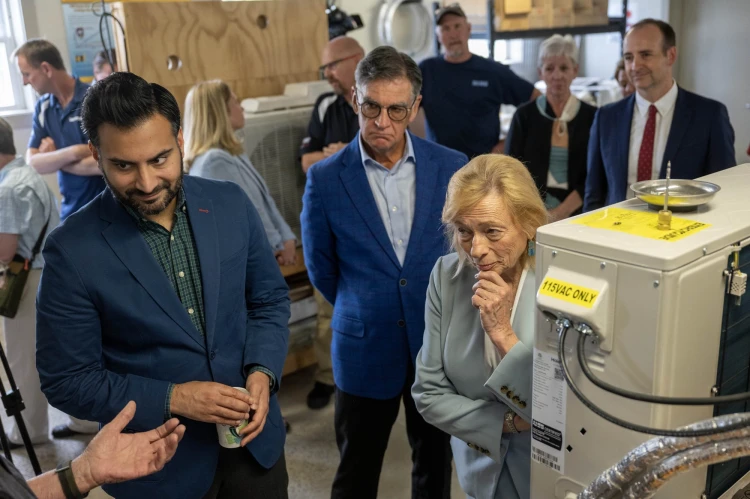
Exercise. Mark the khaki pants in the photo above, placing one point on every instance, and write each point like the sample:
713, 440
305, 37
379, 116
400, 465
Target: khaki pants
322, 344
20, 339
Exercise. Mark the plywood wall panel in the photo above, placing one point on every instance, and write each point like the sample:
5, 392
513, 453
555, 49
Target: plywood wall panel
224, 40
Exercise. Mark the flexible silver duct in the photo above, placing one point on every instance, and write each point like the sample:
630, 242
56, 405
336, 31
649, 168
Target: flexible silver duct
705, 455
614, 480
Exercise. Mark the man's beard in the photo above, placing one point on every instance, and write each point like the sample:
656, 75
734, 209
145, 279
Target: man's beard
455, 51
338, 88
144, 209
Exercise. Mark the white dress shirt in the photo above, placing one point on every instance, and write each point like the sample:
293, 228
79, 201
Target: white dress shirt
664, 115
395, 193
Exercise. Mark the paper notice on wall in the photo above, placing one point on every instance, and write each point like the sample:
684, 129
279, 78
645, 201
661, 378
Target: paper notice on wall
548, 412
84, 40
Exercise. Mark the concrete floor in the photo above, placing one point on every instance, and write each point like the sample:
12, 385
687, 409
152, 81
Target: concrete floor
311, 452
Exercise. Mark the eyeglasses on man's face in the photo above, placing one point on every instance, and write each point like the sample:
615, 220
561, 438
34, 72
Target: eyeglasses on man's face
371, 109
332, 65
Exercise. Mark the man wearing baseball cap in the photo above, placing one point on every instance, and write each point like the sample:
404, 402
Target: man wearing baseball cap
462, 92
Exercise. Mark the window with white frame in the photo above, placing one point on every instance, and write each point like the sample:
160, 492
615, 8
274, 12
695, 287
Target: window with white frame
506, 51
12, 97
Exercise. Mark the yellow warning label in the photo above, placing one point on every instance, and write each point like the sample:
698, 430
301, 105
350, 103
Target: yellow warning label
640, 223
568, 292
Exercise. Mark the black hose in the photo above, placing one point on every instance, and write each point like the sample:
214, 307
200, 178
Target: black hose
653, 399
625, 424
102, 26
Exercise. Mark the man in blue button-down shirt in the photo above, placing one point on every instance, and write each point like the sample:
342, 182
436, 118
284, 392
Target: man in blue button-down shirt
57, 143
371, 234
393, 189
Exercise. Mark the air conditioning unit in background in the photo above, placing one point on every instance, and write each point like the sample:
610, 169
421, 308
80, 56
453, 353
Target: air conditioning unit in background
273, 133
274, 129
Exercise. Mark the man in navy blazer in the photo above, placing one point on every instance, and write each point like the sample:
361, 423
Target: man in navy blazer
633, 139
166, 292
371, 234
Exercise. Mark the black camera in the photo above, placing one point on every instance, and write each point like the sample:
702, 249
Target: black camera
340, 23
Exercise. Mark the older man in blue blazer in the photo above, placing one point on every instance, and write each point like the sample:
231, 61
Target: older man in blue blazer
165, 291
371, 233
633, 139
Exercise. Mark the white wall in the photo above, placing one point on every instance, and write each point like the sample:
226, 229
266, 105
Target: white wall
21, 132
712, 42
600, 53
42, 19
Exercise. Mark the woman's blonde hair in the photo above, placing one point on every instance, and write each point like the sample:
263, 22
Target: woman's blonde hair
206, 124
503, 175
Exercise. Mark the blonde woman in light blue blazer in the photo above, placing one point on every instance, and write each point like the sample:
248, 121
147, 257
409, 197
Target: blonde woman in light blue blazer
474, 371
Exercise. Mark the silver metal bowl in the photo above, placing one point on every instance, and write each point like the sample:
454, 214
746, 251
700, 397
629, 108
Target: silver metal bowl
684, 195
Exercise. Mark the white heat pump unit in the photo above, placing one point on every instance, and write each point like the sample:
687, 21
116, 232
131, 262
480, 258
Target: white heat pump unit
657, 312
273, 133
274, 129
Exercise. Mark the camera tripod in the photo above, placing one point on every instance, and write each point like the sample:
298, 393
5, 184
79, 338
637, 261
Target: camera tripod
13, 404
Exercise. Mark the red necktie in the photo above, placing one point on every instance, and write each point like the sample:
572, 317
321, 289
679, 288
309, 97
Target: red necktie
646, 155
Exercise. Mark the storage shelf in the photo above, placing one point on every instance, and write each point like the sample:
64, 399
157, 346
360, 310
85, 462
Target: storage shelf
616, 25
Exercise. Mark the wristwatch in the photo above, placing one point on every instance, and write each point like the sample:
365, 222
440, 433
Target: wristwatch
68, 482
509, 416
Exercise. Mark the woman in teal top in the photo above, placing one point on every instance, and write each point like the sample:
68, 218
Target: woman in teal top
551, 134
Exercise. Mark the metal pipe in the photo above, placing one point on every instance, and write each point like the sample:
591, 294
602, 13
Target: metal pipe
617, 478
711, 453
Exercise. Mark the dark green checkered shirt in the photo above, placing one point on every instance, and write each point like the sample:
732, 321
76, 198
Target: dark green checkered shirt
178, 256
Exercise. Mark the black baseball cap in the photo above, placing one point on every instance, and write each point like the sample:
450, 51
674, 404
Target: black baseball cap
453, 8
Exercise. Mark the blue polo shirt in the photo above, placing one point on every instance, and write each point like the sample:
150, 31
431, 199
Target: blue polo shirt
462, 101
63, 125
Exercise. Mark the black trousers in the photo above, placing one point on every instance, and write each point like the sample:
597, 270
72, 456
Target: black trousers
239, 476
363, 426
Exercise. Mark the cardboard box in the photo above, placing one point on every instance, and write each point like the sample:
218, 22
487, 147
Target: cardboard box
537, 17
516, 7
561, 14
594, 15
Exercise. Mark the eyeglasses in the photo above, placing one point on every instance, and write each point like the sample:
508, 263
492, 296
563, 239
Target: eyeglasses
332, 65
371, 109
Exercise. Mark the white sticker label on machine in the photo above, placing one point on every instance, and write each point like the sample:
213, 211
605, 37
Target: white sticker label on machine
548, 412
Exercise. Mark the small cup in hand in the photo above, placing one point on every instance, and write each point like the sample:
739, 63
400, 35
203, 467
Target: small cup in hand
229, 436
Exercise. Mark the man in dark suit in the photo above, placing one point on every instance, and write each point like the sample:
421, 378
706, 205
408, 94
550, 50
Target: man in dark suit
165, 291
633, 139
371, 233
